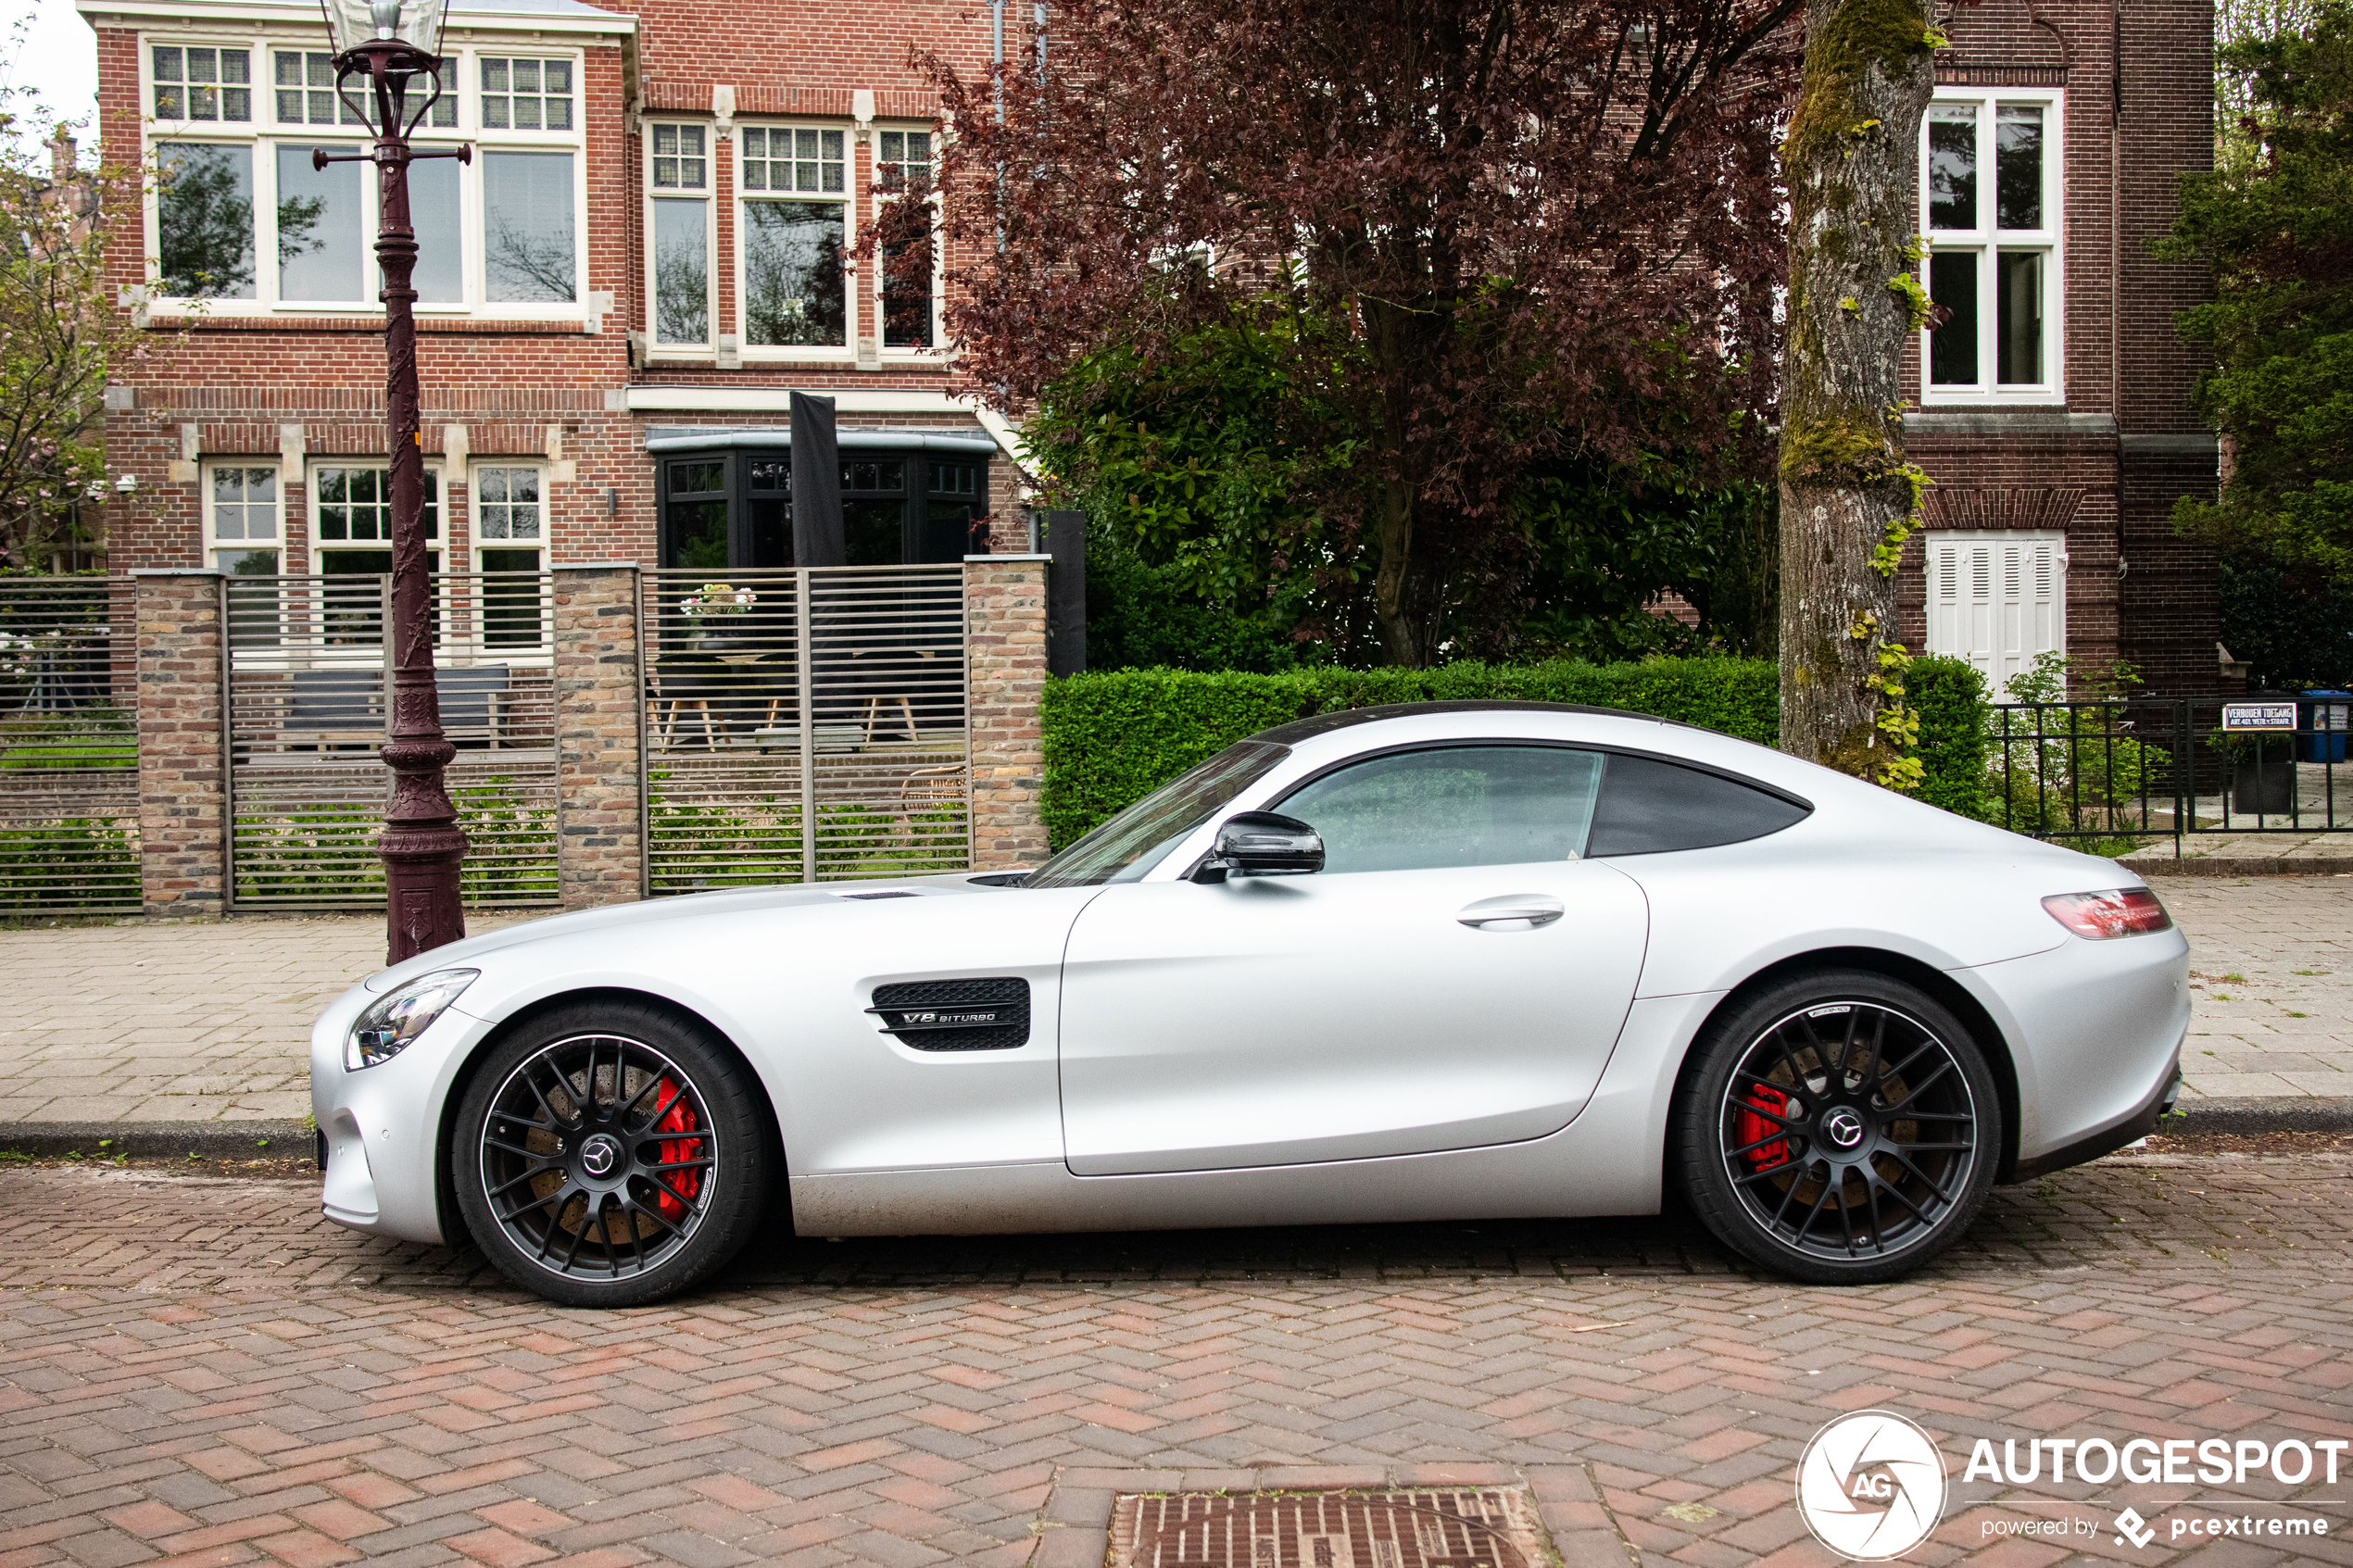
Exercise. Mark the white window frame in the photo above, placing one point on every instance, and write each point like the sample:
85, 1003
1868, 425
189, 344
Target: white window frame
1967, 572
475, 543
438, 544
1988, 242
213, 544
848, 197
707, 194
263, 135
876, 200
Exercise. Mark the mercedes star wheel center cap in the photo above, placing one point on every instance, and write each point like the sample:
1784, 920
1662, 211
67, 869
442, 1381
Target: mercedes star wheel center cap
600, 1154
1843, 1127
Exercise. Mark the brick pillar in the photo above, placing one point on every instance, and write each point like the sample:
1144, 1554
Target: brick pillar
182, 849
599, 772
1005, 630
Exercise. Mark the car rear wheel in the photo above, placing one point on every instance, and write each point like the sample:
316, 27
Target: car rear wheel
610, 1155
1840, 1127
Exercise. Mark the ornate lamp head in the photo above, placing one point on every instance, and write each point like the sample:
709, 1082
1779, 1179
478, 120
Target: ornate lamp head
355, 24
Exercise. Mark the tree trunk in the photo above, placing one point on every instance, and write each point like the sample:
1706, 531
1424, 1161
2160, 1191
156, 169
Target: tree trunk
1847, 496
1400, 640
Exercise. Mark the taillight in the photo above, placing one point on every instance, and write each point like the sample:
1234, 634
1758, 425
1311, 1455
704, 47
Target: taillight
2124, 912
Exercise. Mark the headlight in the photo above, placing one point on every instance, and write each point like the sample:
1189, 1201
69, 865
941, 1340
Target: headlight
390, 1023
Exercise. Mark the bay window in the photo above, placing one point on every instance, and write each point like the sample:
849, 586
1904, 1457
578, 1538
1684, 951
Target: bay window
241, 217
1990, 192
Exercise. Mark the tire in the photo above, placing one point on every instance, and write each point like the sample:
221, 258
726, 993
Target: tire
1786, 1147
608, 1154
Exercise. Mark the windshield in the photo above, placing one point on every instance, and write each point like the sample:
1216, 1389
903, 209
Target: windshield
1132, 843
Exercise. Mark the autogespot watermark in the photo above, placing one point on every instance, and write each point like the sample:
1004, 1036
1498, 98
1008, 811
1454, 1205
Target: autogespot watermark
1873, 1486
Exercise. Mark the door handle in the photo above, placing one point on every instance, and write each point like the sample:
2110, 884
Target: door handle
1522, 907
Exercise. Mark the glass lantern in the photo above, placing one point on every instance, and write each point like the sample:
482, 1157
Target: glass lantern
355, 24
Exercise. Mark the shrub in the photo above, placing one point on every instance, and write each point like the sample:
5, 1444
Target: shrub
330, 854
1112, 737
76, 863
1955, 712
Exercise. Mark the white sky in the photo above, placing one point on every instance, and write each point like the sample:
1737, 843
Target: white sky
59, 59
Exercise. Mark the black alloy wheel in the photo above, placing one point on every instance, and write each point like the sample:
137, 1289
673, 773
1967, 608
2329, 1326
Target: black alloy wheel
1841, 1127
611, 1156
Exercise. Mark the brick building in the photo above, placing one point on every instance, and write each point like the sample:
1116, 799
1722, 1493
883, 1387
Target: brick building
647, 255
2053, 405
649, 252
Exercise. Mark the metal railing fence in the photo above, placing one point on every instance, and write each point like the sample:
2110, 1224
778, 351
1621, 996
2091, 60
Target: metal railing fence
804, 725
68, 747
308, 671
2093, 773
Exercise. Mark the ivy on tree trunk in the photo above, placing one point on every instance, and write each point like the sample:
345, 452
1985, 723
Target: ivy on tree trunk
1848, 497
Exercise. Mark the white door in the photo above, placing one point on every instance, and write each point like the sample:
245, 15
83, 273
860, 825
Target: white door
1394, 1003
1997, 598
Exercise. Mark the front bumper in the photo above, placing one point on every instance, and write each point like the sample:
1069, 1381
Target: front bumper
381, 1125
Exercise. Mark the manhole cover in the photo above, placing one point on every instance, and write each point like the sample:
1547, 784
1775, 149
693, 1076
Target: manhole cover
1419, 1527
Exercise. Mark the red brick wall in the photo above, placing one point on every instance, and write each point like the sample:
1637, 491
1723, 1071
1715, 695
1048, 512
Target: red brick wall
239, 379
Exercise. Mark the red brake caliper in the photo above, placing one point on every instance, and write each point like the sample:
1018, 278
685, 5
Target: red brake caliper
1748, 1128
678, 1188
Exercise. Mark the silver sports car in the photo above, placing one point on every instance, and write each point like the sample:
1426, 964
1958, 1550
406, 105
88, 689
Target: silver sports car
1439, 961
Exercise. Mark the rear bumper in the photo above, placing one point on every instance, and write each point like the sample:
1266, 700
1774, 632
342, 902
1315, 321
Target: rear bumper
2138, 1125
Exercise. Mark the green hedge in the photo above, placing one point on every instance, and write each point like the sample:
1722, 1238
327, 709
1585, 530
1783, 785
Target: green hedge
1114, 736
1949, 696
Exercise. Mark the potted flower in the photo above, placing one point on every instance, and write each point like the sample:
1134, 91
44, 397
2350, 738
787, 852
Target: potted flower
709, 610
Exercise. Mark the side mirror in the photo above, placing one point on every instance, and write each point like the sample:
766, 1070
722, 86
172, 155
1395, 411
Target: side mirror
1263, 844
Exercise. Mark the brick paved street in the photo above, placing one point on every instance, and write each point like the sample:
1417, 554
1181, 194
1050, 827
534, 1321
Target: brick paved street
201, 1023
200, 1370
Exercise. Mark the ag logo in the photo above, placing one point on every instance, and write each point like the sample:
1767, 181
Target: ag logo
1870, 1486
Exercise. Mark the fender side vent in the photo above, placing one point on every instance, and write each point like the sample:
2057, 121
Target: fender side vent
955, 1015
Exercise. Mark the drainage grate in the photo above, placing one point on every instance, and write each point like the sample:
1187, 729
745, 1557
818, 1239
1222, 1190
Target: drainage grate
1433, 1527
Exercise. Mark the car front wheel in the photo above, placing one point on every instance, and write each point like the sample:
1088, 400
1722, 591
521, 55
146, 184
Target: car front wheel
610, 1155
1840, 1127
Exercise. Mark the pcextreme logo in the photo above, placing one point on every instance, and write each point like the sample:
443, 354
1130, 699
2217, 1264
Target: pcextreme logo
1870, 1486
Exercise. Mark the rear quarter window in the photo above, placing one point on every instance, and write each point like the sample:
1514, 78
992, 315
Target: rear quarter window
1648, 806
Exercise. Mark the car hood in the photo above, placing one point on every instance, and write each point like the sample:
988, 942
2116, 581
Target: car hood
692, 906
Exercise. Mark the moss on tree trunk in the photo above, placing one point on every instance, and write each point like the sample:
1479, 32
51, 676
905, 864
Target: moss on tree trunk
1847, 495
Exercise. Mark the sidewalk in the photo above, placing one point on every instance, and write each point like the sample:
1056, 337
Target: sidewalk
138, 1026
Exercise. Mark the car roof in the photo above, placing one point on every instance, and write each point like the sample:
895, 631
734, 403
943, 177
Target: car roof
1325, 724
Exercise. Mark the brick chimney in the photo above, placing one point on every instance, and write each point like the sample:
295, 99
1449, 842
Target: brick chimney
62, 156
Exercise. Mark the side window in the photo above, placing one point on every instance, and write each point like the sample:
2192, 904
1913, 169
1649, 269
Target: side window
1648, 806
1457, 806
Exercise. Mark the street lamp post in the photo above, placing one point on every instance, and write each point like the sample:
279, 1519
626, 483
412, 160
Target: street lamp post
385, 50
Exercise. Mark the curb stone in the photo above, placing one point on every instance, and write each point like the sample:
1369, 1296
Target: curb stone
213, 1140
226, 1140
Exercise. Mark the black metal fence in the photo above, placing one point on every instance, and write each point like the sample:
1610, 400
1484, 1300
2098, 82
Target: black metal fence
2093, 773
68, 747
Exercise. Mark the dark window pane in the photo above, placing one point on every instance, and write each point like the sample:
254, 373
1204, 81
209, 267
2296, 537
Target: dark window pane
512, 610
697, 478
907, 296
1952, 167
1952, 348
1461, 806
874, 532
694, 534
947, 531
2017, 167
793, 295
770, 474
1648, 806
203, 211
2018, 323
